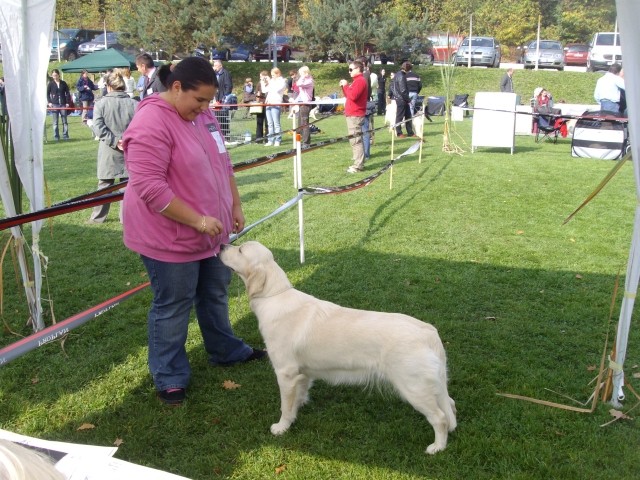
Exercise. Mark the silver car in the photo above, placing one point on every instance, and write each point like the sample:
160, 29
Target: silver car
98, 44
549, 55
484, 51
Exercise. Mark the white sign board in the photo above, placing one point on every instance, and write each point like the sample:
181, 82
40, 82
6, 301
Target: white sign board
494, 120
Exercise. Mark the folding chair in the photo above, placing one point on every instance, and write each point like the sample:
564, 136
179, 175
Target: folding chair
550, 126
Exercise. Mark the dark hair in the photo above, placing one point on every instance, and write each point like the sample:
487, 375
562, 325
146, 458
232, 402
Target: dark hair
358, 64
406, 66
55, 70
145, 59
363, 60
190, 72
615, 68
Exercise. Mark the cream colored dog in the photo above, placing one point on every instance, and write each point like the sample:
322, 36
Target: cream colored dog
417, 122
310, 339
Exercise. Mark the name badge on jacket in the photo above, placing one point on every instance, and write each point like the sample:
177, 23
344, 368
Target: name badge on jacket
215, 134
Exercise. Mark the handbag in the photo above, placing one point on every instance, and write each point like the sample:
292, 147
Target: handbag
255, 109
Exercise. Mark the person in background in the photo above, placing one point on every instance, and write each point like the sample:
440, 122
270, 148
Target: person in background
58, 100
506, 83
146, 67
248, 93
354, 112
111, 117
609, 88
274, 88
180, 206
85, 89
129, 82
543, 102
401, 96
225, 87
261, 118
305, 84
382, 94
367, 125
414, 85
140, 87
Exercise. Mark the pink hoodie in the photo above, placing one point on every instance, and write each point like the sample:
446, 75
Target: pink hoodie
169, 157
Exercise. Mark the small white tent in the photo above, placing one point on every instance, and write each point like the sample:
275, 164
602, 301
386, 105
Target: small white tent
628, 14
25, 34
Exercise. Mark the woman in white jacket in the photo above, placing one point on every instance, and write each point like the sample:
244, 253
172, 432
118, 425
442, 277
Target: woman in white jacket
274, 88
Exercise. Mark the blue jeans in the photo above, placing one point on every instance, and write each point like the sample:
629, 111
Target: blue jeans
413, 98
65, 126
609, 106
177, 287
366, 137
273, 124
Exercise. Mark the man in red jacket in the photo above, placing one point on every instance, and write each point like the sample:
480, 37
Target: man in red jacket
355, 110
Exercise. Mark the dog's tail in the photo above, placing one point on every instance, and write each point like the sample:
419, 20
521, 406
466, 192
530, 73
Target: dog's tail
445, 402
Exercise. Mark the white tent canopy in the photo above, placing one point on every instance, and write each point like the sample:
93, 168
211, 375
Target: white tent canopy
25, 33
628, 14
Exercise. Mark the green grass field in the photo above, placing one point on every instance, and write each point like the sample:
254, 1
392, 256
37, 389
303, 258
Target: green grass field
472, 243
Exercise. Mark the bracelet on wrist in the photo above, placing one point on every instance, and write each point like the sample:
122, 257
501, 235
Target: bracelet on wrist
203, 224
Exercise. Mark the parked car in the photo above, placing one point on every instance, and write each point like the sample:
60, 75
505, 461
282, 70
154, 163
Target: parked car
415, 52
444, 46
283, 49
604, 50
228, 48
70, 40
576, 54
484, 51
101, 43
550, 54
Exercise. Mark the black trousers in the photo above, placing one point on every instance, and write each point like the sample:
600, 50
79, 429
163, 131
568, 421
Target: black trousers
382, 103
403, 112
261, 125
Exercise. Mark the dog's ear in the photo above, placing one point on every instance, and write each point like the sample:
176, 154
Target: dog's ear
256, 280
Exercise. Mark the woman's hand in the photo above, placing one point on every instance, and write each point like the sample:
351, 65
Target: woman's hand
237, 219
210, 226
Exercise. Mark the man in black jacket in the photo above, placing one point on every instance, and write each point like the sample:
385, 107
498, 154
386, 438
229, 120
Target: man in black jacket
401, 96
225, 87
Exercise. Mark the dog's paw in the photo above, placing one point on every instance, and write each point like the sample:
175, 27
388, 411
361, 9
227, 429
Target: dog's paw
279, 428
434, 448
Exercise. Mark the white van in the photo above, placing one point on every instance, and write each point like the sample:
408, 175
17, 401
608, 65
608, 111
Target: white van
604, 50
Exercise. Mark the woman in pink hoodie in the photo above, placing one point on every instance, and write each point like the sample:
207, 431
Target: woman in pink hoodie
180, 206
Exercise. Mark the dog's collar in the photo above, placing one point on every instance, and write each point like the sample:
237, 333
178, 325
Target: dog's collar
273, 294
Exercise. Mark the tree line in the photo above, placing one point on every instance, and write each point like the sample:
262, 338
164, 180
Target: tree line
321, 26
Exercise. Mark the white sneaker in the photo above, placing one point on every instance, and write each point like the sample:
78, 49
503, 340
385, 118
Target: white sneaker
276, 144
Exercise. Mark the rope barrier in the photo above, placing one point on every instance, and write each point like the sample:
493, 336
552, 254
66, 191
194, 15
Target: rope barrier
56, 331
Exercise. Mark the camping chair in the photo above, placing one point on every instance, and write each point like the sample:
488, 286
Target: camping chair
549, 126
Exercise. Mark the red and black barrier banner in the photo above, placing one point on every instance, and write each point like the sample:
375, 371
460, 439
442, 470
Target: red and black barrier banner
60, 329
59, 209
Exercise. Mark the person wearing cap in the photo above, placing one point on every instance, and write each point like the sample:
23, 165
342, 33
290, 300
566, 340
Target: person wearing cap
401, 96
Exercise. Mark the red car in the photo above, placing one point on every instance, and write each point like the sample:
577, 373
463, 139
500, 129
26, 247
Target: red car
576, 54
284, 49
